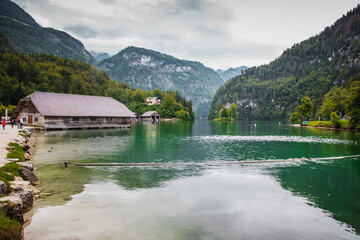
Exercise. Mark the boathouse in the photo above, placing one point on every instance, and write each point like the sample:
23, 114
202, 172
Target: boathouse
151, 116
70, 111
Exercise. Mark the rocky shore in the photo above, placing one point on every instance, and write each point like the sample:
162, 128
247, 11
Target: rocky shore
17, 194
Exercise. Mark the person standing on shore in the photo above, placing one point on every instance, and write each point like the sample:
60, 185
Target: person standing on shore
3, 124
12, 123
21, 123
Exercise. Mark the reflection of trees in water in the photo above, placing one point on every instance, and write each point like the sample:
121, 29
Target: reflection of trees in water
333, 186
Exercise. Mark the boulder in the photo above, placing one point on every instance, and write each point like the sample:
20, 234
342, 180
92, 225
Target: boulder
26, 197
15, 209
4, 208
28, 175
27, 165
3, 188
26, 147
27, 156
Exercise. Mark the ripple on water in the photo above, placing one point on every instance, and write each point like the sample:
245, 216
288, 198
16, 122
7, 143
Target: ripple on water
270, 138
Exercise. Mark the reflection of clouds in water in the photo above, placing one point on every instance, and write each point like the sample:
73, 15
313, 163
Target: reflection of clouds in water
298, 139
220, 204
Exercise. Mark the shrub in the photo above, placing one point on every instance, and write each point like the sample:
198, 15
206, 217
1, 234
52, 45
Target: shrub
335, 119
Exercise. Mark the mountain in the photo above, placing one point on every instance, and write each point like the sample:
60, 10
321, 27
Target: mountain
310, 68
11, 10
99, 56
5, 45
29, 37
148, 70
231, 72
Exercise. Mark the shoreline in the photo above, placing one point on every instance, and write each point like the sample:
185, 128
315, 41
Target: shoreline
18, 192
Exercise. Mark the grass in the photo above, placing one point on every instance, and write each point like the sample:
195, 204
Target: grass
12, 168
9, 228
343, 124
225, 120
16, 151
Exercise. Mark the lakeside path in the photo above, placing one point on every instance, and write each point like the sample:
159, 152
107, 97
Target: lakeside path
6, 136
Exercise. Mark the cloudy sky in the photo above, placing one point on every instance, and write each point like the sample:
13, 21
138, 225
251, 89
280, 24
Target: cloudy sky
218, 33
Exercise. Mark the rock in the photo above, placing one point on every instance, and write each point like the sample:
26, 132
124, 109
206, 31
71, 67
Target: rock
28, 175
3, 188
26, 197
26, 147
4, 208
15, 209
19, 139
27, 156
27, 165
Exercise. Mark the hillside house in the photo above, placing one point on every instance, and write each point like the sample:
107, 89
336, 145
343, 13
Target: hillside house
151, 116
69, 111
152, 100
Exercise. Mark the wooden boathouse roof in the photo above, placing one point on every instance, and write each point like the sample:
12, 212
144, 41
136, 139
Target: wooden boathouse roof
150, 113
71, 105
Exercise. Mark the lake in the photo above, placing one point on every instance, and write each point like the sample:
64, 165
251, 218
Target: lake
312, 199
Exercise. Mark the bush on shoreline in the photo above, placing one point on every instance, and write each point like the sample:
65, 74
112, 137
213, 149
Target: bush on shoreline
328, 124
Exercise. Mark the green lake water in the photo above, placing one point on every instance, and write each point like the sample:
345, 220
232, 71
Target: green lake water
315, 199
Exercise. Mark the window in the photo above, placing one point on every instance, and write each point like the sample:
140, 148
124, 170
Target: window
109, 119
93, 119
75, 119
24, 119
36, 119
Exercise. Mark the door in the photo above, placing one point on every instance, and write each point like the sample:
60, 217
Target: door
30, 119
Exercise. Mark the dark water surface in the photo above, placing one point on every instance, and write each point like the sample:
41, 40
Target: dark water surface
316, 199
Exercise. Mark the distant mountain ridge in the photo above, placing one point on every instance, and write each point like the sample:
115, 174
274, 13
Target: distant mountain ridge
99, 56
29, 37
148, 70
311, 68
231, 72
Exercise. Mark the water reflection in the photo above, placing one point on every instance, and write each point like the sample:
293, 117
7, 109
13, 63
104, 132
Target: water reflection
216, 202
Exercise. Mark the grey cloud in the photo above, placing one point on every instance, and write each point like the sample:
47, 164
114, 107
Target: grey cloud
81, 30
107, 2
194, 5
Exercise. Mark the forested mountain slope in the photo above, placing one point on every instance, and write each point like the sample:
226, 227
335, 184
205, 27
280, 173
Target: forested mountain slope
29, 37
148, 70
310, 68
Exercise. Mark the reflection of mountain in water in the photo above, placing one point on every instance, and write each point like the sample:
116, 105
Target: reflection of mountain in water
332, 186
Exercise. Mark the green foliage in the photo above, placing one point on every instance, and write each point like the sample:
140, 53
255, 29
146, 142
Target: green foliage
311, 68
233, 111
6, 177
327, 108
295, 117
16, 151
224, 114
12, 168
9, 228
335, 120
10, 109
353, 104
302, 111
169, 101
183, 115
